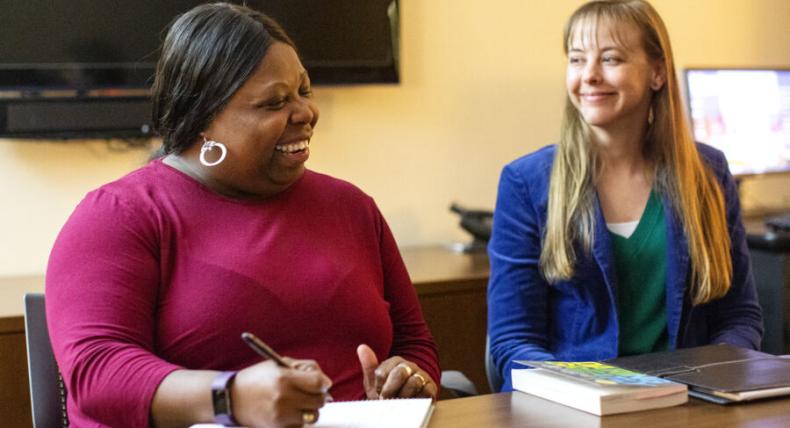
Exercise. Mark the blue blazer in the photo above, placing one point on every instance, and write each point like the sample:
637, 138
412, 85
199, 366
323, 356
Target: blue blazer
576, 320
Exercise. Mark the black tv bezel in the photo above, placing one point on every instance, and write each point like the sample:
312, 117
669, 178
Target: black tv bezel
690, 118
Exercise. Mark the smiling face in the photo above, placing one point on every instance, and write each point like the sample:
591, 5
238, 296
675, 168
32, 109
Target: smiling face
267, 126
609, 76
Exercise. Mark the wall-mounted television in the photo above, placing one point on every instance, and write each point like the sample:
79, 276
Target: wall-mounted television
83, 68
745, 113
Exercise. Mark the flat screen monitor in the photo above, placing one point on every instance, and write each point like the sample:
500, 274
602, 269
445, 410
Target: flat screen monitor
97, 44
745, 113
83, 68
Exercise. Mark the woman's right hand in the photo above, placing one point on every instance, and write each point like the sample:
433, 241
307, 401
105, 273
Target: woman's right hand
267, 395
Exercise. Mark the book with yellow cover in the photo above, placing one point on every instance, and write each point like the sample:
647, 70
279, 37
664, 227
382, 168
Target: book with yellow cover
595, 387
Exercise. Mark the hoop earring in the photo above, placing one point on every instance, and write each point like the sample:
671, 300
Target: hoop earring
208, 145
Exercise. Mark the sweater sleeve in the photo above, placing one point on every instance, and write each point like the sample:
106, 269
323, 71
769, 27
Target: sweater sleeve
412, 339
517, 293
101, 291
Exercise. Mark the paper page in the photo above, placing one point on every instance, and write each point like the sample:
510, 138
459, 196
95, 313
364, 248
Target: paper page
398, 413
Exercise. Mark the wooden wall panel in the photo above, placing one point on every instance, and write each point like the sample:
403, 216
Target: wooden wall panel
14, 393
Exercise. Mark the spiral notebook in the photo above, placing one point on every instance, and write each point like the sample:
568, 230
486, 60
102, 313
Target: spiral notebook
397, 413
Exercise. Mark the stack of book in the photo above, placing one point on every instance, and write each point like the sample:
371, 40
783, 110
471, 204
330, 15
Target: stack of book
721, 374
597, 388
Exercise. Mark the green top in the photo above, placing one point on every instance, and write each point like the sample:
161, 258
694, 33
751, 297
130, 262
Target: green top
641, 265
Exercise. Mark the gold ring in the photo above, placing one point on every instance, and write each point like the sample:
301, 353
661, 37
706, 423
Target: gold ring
309, 417
409, 370
422, 380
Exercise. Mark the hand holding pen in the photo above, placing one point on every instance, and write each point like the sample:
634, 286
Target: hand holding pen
266, 351
279, 391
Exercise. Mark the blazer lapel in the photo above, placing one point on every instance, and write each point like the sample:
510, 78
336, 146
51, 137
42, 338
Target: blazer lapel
603, 256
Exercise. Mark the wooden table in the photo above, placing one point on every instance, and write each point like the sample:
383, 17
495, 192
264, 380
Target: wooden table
517, 409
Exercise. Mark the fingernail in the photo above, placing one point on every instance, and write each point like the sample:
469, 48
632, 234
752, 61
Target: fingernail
328, 398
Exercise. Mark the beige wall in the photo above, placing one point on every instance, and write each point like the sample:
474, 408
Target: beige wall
482, 84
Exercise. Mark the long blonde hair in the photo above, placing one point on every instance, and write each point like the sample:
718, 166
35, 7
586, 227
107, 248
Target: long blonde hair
680, 172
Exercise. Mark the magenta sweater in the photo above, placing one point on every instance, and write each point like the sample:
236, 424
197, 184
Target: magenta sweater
155, 272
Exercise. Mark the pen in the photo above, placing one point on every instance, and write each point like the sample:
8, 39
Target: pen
266, 351
263, 349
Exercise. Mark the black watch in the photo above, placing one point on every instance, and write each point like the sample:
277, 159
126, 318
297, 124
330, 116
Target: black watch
220, 397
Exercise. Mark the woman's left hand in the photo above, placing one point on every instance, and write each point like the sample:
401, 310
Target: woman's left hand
395, 377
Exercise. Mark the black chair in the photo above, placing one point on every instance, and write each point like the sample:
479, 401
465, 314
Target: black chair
457, 384
495, 380
47, 391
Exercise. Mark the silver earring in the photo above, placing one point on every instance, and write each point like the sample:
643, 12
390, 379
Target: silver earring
208, 145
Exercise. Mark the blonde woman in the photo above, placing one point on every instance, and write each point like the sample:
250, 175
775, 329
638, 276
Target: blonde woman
626, 237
